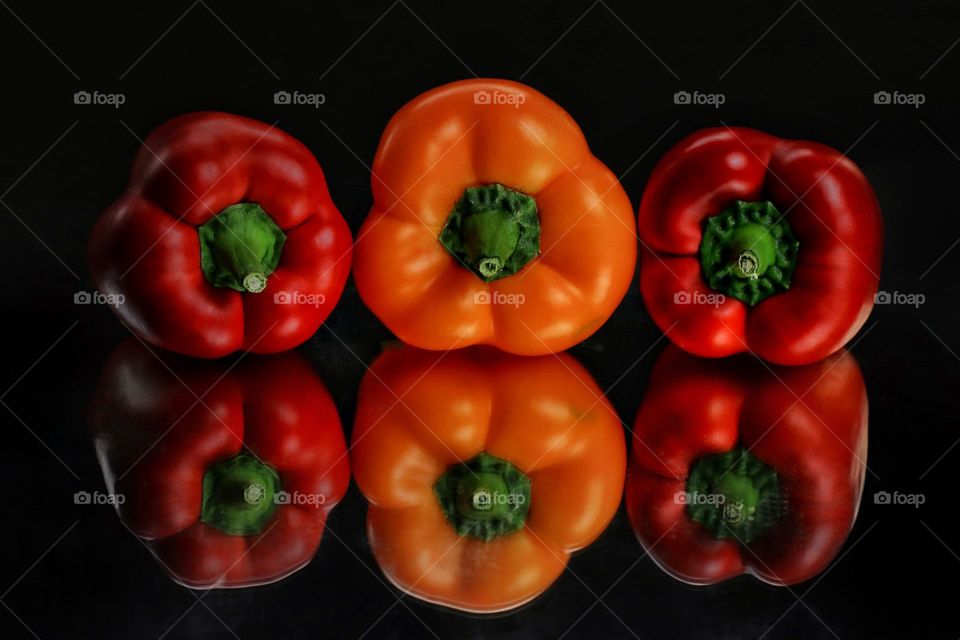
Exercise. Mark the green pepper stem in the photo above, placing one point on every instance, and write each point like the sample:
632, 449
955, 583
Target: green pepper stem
748, 251
484, 497
238, 495
493, 231
733, 495
240, 247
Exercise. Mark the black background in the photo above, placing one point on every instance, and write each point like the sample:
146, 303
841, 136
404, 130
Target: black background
812, 74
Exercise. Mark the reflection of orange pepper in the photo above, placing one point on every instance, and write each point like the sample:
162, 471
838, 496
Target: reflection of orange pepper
492, 223
542, 419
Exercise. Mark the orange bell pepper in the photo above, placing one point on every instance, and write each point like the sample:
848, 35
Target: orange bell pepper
492, 223
484, 471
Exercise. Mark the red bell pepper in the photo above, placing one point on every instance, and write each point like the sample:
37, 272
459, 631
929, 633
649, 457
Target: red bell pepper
228, 473
226, 239
756, 243
739, 469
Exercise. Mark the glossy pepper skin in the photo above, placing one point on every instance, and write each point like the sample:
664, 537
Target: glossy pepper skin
808, 424
545, 415
482, 133
831, 209
157, 442
146, 245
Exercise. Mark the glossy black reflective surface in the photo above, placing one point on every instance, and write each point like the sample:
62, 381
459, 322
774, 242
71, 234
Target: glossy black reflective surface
805, 70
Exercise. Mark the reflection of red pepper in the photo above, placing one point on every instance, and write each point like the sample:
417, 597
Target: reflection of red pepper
758, 243
228, 472
226, 239
735, 469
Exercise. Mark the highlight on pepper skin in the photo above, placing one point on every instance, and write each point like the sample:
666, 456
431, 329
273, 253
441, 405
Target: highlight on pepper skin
486, 474
492, 223
225, 240
757, 243
739, 469
229, 491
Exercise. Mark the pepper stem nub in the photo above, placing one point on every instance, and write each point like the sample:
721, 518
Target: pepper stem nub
748, 264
